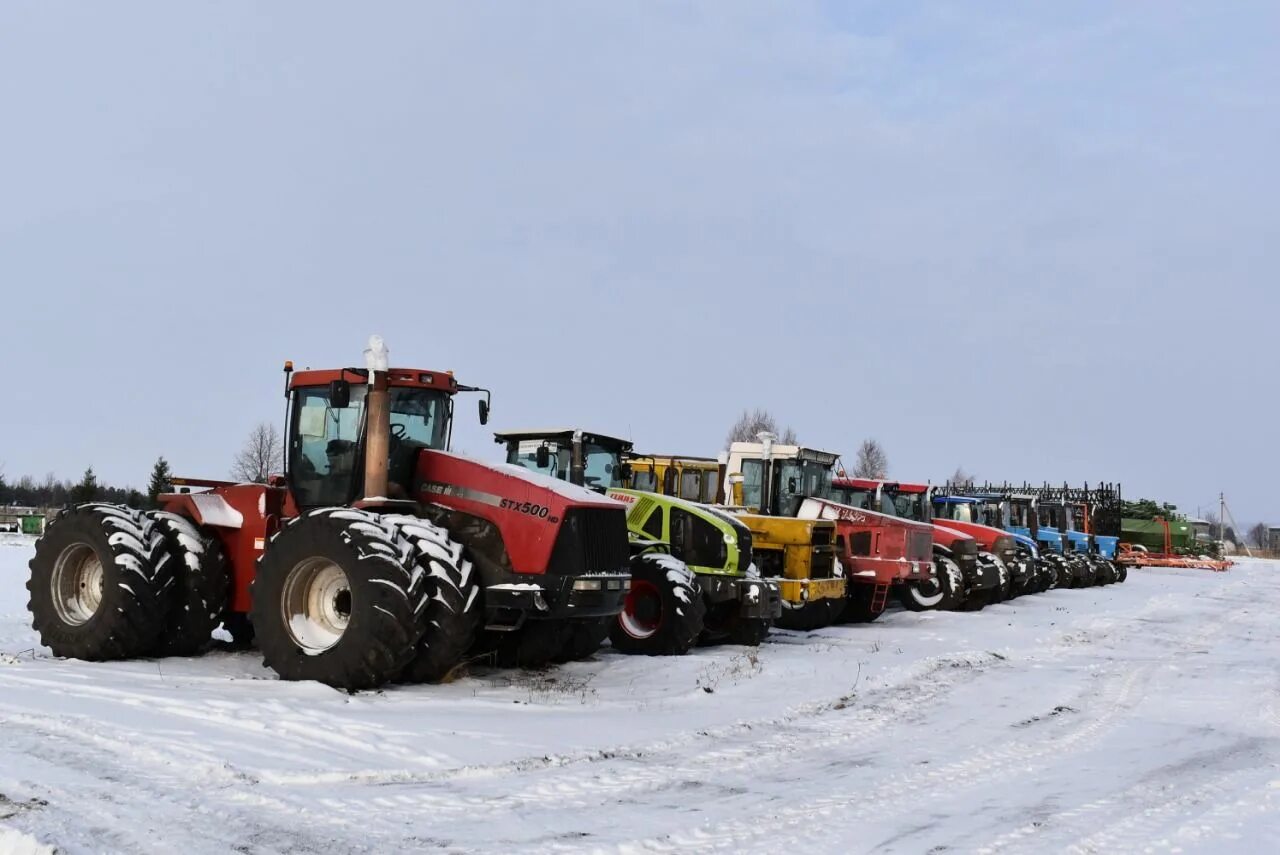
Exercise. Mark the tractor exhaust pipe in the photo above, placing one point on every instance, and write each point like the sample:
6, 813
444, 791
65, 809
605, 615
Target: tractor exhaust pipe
378, 421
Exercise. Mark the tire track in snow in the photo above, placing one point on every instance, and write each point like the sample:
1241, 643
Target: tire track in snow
1012, 759
101, 812
1148, 829
282, 731
808, 730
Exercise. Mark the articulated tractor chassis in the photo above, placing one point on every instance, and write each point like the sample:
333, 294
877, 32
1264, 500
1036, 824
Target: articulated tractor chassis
377, 556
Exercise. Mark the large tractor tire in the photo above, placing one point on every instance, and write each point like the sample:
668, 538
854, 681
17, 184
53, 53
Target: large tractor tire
859, 605
583, 638
1004, 591
812, 615
1122, 572
939, 593
750, 632
200, 590
1063, 577
536, 644
240, 628
341, 598
454, 609
99, 583
664, 610
724, 624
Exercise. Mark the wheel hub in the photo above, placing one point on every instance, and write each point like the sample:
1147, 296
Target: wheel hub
642, 611
76, 584
316, 604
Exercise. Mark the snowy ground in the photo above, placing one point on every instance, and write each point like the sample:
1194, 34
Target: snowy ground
1144, 716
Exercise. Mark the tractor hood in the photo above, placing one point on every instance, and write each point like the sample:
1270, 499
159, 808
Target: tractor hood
528, 510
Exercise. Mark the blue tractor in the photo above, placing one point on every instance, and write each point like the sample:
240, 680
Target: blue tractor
1017, 512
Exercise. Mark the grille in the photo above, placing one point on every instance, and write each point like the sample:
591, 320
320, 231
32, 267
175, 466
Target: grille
591, 540
919, 545
640, 510
860, 543
822, 565
744, 547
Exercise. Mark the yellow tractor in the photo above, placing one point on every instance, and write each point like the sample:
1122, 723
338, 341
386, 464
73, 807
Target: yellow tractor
800, 554
696, 479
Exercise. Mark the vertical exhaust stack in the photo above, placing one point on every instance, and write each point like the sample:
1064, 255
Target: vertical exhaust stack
378, 422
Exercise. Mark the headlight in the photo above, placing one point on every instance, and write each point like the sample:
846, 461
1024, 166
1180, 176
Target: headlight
586, 585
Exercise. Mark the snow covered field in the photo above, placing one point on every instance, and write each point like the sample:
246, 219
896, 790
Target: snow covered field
1138, 717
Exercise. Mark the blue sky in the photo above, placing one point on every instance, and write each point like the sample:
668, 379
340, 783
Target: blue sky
1035, 240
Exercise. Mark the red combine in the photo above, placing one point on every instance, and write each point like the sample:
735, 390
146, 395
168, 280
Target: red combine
377, 556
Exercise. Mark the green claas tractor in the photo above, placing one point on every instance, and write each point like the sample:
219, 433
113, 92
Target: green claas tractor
692, 577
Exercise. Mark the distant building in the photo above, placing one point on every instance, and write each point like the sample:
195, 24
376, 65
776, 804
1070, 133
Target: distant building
1273, 538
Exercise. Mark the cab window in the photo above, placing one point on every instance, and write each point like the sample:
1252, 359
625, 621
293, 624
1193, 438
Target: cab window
653, 525
690, 484
752, 481
710, 481
644, 479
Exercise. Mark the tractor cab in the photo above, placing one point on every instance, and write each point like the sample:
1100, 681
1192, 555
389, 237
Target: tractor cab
1057, 516
592, 460
326, 438
775, 479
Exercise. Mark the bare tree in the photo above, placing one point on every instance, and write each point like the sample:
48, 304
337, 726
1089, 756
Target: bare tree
262, 455
961, 478
1260, 535
872, 462
752, 422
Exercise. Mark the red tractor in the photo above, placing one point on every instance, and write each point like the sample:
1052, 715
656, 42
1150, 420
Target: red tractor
377, 556
967, 569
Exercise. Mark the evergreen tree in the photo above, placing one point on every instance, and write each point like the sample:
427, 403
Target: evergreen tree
87, 489
160, 476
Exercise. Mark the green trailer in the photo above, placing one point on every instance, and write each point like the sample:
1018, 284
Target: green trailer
1150, 533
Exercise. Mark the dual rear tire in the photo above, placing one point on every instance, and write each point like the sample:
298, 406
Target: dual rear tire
100, 583
354, 599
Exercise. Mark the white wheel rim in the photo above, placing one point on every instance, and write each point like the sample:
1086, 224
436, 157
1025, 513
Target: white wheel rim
76, 584
316, 604
923, 599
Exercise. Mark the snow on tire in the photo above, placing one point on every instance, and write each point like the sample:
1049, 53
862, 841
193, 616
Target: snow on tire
339, 598
98, 583
939, 593
453, 611
200, 590
664, 610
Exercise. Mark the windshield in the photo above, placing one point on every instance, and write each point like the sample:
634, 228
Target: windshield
796, 481
854, 497
1021, 514
524, 452
325, 442
602, 467
909, 506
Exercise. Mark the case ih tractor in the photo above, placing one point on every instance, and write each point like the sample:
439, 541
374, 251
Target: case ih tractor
692, 576
377, 556
876, 551
967, 574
